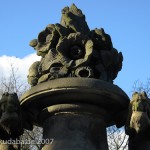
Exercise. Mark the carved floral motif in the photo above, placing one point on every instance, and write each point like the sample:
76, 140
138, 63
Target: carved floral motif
70, 49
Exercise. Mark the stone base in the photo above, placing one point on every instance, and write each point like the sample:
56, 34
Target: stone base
86, 91
76, 111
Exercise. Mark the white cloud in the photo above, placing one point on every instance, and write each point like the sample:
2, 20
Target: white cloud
21, 65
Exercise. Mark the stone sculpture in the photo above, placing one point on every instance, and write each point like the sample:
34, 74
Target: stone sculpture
70, 49
10, 121
138, 122
72, 96
72, 89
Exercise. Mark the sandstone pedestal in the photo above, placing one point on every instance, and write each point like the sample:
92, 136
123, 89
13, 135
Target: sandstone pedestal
76, 111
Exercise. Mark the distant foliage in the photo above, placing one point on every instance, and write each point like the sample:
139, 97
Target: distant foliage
142, 86
13, 82
117, 139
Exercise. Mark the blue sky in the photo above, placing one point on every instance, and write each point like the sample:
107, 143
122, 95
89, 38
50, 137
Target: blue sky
127, 22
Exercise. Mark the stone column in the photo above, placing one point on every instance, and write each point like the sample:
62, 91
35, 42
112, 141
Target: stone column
75, 112
75, 126
75, 132
73, 96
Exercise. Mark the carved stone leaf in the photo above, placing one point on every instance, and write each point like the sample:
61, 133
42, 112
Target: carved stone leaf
33, 70
74, 19
102, 41
87, 56
34, 73
63, 31
49, 59
63, 46
44, 78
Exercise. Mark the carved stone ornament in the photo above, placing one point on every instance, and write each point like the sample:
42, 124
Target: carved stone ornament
138, 122
70, 49
74, 104
72, 91
11, 121
10, 115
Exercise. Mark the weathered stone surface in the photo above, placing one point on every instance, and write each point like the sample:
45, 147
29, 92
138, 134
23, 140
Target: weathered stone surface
67, 47
78, 132
138, 123
48, 38
34, 73
10, 114
76, 109
79, 90
75, 112
101, 39
10, 121
72, 96
74, 19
